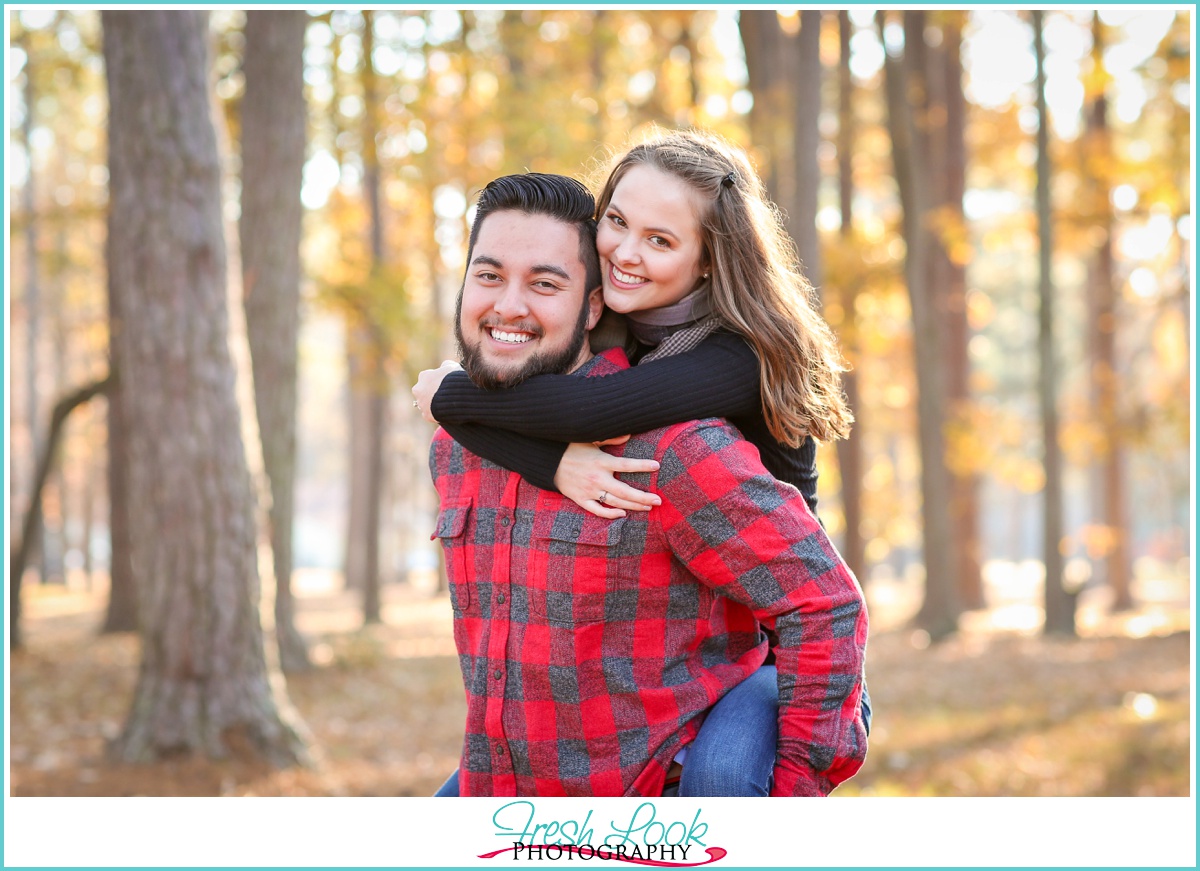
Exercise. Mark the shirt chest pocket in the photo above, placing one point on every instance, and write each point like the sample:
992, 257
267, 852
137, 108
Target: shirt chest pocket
577, 574
451, 531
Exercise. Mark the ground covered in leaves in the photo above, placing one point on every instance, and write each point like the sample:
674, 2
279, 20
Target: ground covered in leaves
996, 710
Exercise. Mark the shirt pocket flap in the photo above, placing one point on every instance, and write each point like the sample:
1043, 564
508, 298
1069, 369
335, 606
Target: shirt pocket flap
580, 529
452, 520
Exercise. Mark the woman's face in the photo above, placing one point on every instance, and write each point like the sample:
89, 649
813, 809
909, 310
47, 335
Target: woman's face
649, 241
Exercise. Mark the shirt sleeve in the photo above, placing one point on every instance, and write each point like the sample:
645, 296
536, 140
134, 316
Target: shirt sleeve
536, 460
747, 537
718, 378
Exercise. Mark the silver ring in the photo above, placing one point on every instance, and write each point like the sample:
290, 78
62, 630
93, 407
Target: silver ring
603, 496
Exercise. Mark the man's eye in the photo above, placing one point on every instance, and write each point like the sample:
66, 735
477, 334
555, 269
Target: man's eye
487, 276
545, 287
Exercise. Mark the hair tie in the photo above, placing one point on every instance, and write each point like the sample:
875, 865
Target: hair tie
730, 180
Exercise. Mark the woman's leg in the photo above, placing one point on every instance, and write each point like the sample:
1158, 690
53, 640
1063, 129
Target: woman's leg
449, 788
734, 753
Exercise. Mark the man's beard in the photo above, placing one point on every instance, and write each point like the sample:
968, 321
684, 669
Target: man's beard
542, 363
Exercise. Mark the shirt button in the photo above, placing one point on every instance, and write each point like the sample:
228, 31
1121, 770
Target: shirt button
500, 598
504, 521
499, 749
497, 674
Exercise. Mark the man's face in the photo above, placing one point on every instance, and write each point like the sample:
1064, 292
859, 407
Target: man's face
524, 309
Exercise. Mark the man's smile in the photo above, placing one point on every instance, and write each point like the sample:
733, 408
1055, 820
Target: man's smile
509, 338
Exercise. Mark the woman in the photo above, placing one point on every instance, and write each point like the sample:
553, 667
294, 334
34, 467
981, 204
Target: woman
696, 258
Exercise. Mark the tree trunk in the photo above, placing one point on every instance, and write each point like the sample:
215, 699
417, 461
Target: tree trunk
806, 138
1060, 606
940, 609
274, 121
945, 112
204, 678
598, 45
849, 450
122, 613
1110, 476
359, 485
54, 489
33, 303
770, 67
88, 520
377, 423
32, 523
376, 401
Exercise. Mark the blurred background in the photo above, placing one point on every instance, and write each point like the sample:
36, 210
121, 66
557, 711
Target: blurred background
994, 206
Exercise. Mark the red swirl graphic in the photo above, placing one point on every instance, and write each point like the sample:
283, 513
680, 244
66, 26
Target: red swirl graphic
715, 854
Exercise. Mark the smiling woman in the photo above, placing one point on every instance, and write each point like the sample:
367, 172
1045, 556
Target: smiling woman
649, 242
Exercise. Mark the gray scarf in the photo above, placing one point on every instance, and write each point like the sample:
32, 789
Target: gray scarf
655, 326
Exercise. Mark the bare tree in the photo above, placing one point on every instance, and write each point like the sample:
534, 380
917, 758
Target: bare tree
24, 546
849, 450
274, 135
906, 88
33, 301
770, 66
1110, 472
377, 388
122, 612
204, 677
1060, 606
943, 119
806, 139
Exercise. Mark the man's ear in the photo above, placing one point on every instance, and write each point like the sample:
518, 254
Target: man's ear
595, 303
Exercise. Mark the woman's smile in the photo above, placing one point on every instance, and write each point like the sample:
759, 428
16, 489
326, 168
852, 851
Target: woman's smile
624, 278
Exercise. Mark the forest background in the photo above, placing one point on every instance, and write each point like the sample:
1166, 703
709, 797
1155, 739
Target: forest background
995, 208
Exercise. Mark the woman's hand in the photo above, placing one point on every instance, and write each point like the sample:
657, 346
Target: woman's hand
427, 385
587, 476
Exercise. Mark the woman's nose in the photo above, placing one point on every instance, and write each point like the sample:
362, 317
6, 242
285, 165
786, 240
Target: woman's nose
626, 250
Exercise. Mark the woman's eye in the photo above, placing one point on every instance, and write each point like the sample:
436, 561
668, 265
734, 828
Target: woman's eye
617, 219
660, 241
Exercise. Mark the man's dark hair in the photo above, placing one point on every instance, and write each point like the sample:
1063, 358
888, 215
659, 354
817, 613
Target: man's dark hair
539, 193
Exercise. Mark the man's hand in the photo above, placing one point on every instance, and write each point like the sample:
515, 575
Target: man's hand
427, 385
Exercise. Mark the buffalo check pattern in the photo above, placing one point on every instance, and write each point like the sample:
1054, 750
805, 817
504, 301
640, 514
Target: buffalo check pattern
591, 649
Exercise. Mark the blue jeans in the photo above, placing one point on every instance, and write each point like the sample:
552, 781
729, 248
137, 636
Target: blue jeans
734, 752
449, 788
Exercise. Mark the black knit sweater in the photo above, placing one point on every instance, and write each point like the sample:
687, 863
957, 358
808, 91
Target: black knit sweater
526, 428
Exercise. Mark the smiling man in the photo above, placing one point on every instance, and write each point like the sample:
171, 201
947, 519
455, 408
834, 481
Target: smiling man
591, 649
532, 288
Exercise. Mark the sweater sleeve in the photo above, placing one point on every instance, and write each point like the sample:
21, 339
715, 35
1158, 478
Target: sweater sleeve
536, 460
718, 378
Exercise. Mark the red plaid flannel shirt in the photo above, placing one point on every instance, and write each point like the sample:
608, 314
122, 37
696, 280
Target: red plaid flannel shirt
591, 649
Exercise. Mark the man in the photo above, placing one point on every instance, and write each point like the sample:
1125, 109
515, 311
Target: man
591, 648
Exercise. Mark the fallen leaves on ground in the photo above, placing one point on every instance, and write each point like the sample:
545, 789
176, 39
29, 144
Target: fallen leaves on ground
987, 712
